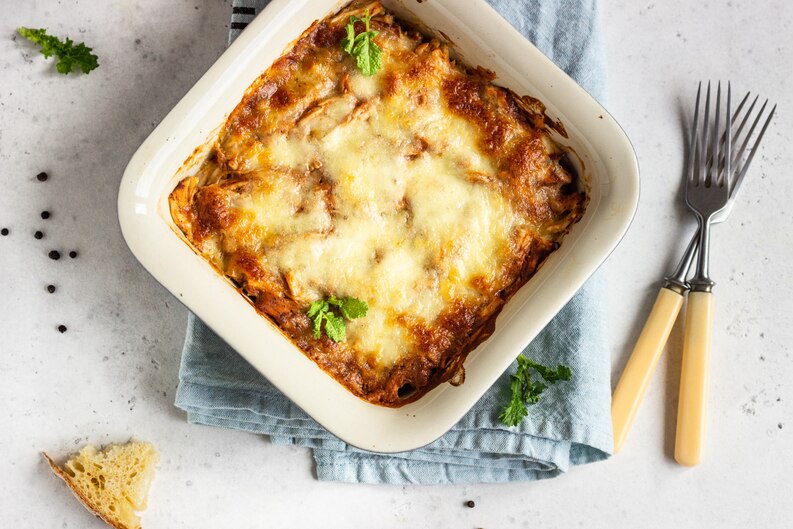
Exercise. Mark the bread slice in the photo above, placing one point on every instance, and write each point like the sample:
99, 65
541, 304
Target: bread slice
114, 482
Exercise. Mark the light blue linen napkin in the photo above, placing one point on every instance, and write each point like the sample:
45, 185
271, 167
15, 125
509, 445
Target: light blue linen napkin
572, 423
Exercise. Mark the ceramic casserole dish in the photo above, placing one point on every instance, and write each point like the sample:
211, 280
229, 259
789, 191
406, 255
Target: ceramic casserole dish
605, 162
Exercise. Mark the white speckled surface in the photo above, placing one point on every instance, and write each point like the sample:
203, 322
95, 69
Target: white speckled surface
113, 373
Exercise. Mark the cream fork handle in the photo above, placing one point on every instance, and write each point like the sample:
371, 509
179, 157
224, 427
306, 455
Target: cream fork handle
694, 377
634, 380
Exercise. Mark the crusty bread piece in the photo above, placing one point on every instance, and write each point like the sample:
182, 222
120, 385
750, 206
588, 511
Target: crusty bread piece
114, 482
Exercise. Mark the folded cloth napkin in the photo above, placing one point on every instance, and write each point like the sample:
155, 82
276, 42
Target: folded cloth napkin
570, 425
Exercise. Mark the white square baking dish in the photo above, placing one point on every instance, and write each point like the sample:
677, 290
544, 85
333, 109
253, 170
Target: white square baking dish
481, 38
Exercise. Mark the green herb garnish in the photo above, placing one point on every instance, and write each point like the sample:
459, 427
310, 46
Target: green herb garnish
362, 46
525, 391
333, 311
69, 54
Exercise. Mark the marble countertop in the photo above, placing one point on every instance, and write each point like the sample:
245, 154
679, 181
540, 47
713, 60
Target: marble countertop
113, 372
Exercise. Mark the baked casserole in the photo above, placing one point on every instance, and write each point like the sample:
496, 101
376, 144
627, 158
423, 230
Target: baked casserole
424, 190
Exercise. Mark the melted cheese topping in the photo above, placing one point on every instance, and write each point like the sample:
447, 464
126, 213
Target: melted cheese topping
383, 188
410, 231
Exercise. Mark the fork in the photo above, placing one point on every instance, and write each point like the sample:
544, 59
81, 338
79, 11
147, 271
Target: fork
635, 378
707, 193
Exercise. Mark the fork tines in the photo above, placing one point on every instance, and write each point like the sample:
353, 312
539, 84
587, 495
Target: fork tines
744, 165
703, 170
735, 164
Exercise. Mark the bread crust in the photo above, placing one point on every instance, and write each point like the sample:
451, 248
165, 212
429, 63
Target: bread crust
85, 501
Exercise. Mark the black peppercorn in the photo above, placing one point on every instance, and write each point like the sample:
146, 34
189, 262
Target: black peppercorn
62, 329
4, 232
51, 289
39, 235
470, 504
45, 214
73, 254
54, 255
42, 176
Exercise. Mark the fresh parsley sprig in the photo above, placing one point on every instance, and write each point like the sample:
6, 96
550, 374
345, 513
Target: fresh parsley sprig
525, 391
332, 312
362, 46
69, 54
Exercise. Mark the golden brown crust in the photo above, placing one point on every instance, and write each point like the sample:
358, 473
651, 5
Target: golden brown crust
302, 86
77, 494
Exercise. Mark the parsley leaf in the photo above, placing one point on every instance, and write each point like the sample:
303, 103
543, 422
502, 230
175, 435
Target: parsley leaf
550, 375
69, 54
368, 55
317, 307
322, 311
350, 308
349, 41
334, 327
515, 412
316, 324
525, 391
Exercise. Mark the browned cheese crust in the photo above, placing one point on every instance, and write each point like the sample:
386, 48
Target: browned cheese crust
311, 93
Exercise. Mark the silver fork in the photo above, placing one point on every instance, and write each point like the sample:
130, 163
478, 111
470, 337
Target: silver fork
707, 194
635, 378
677, 280
708, 185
